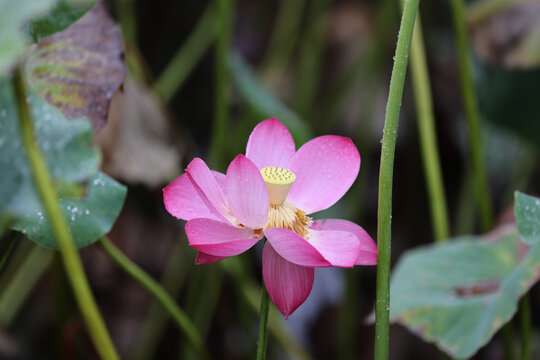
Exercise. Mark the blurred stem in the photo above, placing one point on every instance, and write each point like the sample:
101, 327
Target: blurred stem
472, 115
9, 247
155, 321
182, 64
202, 298
262, 344
182, 320
526, 161
428, 137
525, 323
310, 58
508, 340
127, 17
22, 281
284, 37
466, 214
219, 129
250, 292
70, 257
384, 214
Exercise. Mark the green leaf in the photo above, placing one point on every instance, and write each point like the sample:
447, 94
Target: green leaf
264, 102
65, 13
89, 218
14, 18
71, 161
78, 70
65, 146
458, 294
527, 213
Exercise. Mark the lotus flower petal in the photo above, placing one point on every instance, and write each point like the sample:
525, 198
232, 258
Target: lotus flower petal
288, 284
325, 169
270, 144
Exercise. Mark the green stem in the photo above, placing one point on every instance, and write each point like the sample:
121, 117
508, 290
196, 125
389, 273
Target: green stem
310, 58
185, 59
384, 214
284, 36
472, 115
70, 257
9, 247
181, 319
525, 323
428, 139
219, 130
178, 266
250, 291
262, 344
22, 281
508, 340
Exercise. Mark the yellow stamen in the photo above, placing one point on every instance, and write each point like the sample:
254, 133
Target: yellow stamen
278, 182
287, 216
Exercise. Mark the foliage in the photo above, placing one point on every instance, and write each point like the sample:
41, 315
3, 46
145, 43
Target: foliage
459, 294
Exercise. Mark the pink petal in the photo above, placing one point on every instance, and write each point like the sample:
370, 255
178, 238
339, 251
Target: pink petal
247, 193
219, 239
294, 248
183, 201
209, 189
270, 144
339, 248
203, 259
368, 248
325, 169
288, 284
321, 249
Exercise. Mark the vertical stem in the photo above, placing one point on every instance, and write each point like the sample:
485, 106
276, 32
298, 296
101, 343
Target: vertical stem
508, 339
70, 257
180, 66
384, 214
9, 247
310, 58
428, 139
471, 113
262, 344
219, 130
525, 323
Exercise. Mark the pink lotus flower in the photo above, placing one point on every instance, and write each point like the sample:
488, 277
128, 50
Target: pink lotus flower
270, 192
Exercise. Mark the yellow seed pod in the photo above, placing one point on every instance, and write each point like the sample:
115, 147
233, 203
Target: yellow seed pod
278, 182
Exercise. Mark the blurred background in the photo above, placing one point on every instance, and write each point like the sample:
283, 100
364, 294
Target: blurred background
321, 67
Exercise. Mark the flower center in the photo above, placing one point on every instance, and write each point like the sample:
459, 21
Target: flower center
278, 182
282, 213
287, 216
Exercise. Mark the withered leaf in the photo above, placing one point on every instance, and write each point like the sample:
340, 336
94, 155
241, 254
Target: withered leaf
78, 70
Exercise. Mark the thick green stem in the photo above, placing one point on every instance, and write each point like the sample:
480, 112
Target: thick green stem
181, 319
384, 214
70, 257
262, 344
472, 115
428, 138
221, 115
525, 323
185, 59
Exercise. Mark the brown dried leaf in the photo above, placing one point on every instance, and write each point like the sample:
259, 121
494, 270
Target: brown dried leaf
508, 37
138, 144
79, 69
